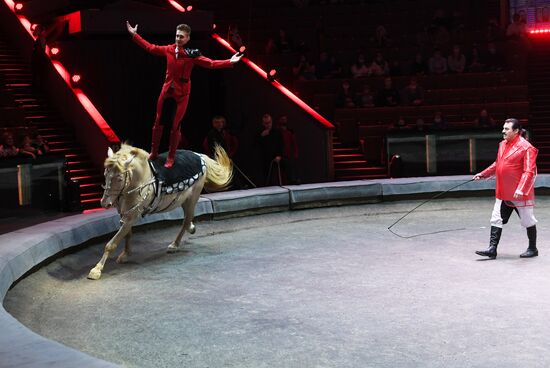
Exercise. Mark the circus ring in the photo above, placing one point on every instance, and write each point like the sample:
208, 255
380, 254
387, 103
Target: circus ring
254, 289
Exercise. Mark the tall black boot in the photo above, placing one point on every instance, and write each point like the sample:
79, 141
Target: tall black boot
491, 252
532, 251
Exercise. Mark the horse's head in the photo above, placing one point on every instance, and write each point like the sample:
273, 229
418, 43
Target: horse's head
117, 178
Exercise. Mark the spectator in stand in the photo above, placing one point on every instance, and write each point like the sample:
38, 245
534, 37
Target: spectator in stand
516, 30
290, 150
379, 66
346, 96
413, 94
234, 37
283, 42
388, 96
8, 147
418, 66
456, 61
484, 120
457, 25
396, 69
40, 143
439, 121
323, 66
303, 70
420, 126
335, 68
360, 69
493, 59
219, 135
400, 125
270, 48
474, 64
438, 63
26, 147
366, 99
494, 32
271, 147
381, 38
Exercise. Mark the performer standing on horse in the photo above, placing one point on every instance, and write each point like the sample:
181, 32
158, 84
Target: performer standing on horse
177, 85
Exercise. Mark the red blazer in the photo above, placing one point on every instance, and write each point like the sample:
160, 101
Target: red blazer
178, 70
515, 169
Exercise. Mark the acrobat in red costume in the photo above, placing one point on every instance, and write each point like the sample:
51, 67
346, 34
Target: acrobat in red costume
177, 85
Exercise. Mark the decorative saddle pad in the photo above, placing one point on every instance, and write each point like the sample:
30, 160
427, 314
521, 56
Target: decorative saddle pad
188, 168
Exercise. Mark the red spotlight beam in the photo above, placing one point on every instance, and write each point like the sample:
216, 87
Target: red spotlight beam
84, 100
277, 85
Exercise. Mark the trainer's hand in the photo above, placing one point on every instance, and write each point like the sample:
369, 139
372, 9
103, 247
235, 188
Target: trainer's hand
478, 177
235, 58
131, 30
518, 194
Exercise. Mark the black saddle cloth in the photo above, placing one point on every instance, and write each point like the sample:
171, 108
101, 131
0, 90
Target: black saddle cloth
187, 165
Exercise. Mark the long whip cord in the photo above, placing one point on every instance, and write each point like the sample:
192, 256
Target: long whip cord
426, 201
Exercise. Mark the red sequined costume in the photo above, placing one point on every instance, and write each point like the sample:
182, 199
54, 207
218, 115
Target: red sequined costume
177, 85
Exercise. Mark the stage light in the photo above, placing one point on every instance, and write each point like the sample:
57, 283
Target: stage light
18, 8
75, 80
54, 51
190, 7
271, 75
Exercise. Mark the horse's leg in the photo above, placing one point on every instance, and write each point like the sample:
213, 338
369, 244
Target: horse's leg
126, 227
189, 213
123, 257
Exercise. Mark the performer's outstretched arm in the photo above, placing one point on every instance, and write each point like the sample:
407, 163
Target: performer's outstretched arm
150, 48
217, 64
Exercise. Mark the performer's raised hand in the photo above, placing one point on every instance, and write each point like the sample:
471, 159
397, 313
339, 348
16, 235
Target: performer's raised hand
131, 30
235, 58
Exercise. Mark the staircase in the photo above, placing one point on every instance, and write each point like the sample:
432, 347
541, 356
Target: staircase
37, 113
539, 94
350, 164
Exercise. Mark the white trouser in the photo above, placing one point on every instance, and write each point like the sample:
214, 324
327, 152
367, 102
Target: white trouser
502, 211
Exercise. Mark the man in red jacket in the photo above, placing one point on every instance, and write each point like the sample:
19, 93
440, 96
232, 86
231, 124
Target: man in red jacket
177, 85
516, 170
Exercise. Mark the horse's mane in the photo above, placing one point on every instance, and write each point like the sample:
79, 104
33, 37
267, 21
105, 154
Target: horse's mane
124, 154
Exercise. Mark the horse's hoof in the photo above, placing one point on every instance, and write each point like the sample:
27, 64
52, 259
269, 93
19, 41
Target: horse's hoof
94, 274
172, 249
192, 229
122, 258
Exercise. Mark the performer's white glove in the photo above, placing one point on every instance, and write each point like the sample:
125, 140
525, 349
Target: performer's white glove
235, 58
518, 193
131, 30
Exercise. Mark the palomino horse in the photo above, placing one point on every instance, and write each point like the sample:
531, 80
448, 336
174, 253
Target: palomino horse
135, 188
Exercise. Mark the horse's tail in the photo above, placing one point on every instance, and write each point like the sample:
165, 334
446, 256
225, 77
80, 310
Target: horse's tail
219, 172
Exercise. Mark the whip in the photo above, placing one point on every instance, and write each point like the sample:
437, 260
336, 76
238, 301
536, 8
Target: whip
426, 201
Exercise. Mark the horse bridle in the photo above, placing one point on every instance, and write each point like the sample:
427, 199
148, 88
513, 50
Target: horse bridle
120, 192
107, 187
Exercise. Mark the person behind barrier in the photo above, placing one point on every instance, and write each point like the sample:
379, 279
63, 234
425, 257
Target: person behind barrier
219, 135
271, 147
515, 170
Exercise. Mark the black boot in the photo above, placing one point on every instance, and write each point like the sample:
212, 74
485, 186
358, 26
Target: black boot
491, 252
532, 251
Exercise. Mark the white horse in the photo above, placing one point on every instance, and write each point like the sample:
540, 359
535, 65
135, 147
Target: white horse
133, 187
